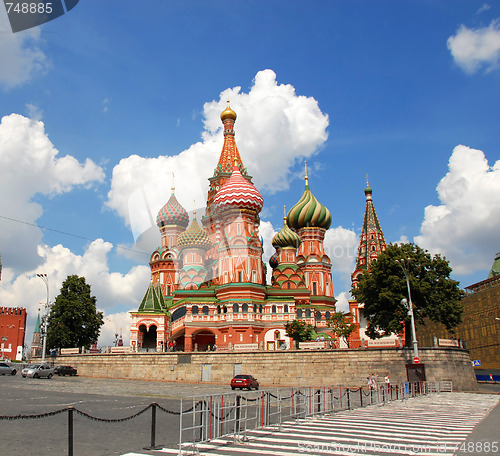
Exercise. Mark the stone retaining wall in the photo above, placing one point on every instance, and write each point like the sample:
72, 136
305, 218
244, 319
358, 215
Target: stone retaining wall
281, 368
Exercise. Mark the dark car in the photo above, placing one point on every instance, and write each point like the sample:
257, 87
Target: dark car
244, 381
5, 369
65, 370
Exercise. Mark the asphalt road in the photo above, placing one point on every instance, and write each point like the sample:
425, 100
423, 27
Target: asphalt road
111, 399
102, 398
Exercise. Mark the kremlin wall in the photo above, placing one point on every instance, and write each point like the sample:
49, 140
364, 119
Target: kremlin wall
280, 368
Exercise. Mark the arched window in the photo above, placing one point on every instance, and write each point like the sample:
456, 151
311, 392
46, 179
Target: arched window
286, 308
273, 309
218, 309
288, 285
168, 290
308, 313
315, 288
318, 315
244, 308
236, 308
299, 313
327, 315
261, 307
239, 276
276, 335
205, 310
179, 313
194, 310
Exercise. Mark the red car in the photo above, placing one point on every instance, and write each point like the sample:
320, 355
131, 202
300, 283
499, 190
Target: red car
244, 381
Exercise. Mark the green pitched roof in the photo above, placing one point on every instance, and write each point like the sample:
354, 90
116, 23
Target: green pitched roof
495, 269
37, 324
153, 300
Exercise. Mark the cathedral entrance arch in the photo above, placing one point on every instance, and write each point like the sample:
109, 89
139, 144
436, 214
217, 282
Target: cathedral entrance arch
204, 340
147, 338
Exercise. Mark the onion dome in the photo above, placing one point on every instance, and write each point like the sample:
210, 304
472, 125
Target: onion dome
368, 189
228, 113
273, 261
308, 212
172, 213
238, 192
285, 237
194, 237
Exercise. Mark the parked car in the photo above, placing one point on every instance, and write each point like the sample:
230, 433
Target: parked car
5, 369
65, 370
244, 381
38, 371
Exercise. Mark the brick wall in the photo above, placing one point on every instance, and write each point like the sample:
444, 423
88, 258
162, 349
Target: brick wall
280, 368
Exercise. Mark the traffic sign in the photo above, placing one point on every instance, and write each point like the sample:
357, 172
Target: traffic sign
416, 360
477, 362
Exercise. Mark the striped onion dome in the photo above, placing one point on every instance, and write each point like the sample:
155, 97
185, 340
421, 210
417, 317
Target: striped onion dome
286, 238
238, 192
273, 261
172, 214
194, 237
308, 212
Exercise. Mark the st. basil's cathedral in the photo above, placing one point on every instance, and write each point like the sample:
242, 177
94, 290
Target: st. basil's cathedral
208, 280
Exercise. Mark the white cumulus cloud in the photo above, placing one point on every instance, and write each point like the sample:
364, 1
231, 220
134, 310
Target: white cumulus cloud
275, 129
464, 227
20, 54
474, 48
30, 165
112, 290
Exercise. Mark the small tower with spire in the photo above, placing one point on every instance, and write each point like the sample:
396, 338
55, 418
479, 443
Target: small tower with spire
36, 343
372, 242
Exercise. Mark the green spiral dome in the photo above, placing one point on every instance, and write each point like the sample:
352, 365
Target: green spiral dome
308, 212
285, 238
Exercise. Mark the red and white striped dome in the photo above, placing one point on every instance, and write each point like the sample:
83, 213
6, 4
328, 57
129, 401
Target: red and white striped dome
238, 192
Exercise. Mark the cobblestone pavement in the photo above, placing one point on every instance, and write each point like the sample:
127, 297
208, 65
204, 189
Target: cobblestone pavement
119, 387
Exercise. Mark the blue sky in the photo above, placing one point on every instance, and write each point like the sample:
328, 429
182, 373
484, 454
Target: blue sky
99, 106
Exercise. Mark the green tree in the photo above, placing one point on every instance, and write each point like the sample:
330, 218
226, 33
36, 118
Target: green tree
342, 325
299, 331
74, 320
434, 295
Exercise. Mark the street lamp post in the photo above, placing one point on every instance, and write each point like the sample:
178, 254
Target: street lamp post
45, 316
405, 266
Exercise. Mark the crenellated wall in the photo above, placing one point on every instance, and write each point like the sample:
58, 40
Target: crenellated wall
281, 368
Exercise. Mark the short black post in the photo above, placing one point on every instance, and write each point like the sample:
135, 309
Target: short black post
361, 396
70, 430
371, 396
153, 424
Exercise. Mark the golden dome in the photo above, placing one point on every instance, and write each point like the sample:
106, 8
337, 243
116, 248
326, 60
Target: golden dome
228, 113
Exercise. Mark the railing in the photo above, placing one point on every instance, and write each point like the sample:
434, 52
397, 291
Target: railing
233, 414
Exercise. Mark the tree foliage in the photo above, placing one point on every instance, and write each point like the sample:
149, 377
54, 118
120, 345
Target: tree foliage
299, 330
342, 325
74, 320
434, 295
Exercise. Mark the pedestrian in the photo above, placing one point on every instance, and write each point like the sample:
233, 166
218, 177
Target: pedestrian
370, 381
374, 381
387, 383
